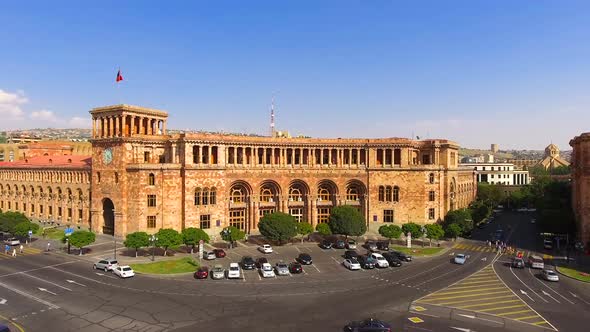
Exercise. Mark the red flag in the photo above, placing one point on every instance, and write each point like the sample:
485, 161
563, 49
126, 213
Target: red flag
119, 76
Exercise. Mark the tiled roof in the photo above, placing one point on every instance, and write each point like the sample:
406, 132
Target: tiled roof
50, 161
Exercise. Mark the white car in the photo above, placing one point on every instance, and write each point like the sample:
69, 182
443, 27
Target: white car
380, 261
123, 271
12, 241
234, 271
460, 259
107, 264
266, 271
351, 244
352, 264
550, 275
209, 255
265, 248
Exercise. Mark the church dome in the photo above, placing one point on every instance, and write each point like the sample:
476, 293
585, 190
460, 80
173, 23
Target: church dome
551, 150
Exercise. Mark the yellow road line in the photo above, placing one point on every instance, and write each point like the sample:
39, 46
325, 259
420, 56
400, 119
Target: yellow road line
525, 317
505, 307
478, 282
463, 301
468, 291
470, 295
487, 304
539, 323
13, 323
513, 312
463, 287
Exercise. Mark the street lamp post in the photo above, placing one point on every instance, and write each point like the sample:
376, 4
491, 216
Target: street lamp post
423, 229
153, 239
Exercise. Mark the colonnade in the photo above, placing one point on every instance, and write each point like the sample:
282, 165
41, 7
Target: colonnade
125, 125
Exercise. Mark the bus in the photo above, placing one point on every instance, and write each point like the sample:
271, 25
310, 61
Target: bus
536, 262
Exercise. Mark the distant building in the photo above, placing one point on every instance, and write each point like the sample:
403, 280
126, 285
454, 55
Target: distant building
552, 159
494, 148
499, 173
14, 152
23, 139
581, 185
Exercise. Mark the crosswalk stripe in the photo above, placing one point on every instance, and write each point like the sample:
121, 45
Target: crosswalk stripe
506, 307
487, 304
526, 317
513, 312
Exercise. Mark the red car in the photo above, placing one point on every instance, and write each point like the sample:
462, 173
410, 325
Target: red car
219, 253
295, 268
202, 273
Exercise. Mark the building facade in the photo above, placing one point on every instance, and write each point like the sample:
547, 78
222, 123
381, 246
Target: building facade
581, 185
144, 179
499, 173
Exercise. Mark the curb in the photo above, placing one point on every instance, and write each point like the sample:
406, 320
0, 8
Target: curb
565, 275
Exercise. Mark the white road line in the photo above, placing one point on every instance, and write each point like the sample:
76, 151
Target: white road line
297, 249
47, 281
316, 268
542, 283
259, 277
32, 297
244, 275
527, 286
41, 268
335, 260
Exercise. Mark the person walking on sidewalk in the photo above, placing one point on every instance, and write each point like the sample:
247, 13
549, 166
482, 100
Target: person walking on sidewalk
14, 252
21, 249
48, 246
6, 249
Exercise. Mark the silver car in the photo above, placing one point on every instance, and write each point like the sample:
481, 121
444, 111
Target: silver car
218, 272
282, 269
550, 275
209, 255
106, 264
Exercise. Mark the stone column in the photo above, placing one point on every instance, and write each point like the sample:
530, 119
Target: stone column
124, 125
163, 127
93, 128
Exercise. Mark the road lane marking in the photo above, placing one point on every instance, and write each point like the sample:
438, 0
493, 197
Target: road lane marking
463, 296
527, 286
514, 313
297, 249
504, 307
335, 260
525, 317
316, 268
32, 297
487, 304
542, 283
469, 290
37, 269
47, 281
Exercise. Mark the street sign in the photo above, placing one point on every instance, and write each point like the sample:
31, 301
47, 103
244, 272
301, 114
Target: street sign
30, 233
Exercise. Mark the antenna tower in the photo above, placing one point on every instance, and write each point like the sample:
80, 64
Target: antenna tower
272, 117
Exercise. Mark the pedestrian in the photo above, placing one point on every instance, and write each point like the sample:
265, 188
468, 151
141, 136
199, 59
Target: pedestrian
6, 249
21, 249
14, 252
48, 245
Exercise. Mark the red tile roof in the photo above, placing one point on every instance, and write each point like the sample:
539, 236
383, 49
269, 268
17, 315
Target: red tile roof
50, 161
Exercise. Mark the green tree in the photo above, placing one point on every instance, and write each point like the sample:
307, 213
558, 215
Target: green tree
278, 226
490, 194
452, 231
8, 220
80, 239
480, 211
434, 232
232, 234
191, 237
390, 231
461, 217
304, 228
22, 228
348, 221
137, 240
168, 238
561, 170
413, 228
323, 229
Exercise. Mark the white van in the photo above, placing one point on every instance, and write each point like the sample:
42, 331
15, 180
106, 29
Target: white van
234, 271
536, 262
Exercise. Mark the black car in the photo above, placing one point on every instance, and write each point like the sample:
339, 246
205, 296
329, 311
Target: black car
383, 245
366, 262
261, 261
518, 263
348, 254
248, 263
295, 268
402, 256
392, 259
304, 259
368, 325
326, 244
371, 245
340, 244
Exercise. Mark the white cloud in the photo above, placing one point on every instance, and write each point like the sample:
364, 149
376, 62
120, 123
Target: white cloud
44, 115
10, 104
78, 122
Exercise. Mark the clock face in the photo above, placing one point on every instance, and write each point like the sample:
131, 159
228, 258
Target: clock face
107, 156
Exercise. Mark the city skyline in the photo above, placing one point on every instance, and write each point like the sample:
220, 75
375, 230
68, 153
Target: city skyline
476, 74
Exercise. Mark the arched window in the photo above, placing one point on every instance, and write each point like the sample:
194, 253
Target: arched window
151, 179
388, 194
323, 194
295, 195
352, 194
198, 195
212, 196
381, 193
237, 195
396, 194
431, 178
266, 195
205, 196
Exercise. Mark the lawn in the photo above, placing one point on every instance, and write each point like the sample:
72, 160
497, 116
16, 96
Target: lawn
418, 251
182, 265
582, 276
50, 233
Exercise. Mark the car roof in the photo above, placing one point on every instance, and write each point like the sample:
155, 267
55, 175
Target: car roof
234, 264
376, 254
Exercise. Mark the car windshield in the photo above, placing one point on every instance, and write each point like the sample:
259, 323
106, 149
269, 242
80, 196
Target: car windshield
234, 268
266, 267
126, 269
114, 262
353, 261
460, 256
282, 266
551, 273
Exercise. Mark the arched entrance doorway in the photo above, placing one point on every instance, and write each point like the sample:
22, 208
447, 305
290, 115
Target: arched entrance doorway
108, 214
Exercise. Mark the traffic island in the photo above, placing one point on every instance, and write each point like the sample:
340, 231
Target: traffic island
574, 274
418, 251
176, 266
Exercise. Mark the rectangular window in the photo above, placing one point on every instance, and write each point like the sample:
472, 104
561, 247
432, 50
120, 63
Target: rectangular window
146, 156
237, 218
323, 215
387, 215
431, 196
50, 210
264, 211
151, 221
79, 214
16, 206
431, 214
426, 159
59, 212
151, 200
397, 157
40, 209
297, 213
69, 213
9, 205
205, 221
25, 207
33, 208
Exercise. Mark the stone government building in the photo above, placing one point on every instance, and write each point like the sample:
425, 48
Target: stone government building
581, 185
140, 178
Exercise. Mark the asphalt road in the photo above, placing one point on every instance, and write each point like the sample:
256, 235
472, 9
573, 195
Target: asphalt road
63, 293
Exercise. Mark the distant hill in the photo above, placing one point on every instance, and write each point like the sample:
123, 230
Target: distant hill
512, 154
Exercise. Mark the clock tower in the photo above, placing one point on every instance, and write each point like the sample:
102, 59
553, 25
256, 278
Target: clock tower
123, 137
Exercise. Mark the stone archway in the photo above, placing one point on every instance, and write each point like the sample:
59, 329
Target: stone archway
108, 214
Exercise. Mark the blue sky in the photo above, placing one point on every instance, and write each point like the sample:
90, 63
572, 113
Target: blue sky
514, 73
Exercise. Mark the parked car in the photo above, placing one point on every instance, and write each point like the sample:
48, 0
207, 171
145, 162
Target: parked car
218, 272
402, 256
326, 244
366, 262
351, 264
460, 259
548, 244
248, 263
106, 264
124, 271
266, 271
383, 245
209, 255
350, 254
4, 328
260, 261
202, 273
234, 271
219, 253
518, 263
380, 261
392, 259
536, 262
12, 241
282, 269
550, 275
368, 325
295, 267
371, 245
304, 259
265, 248
351, 244
340, 244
